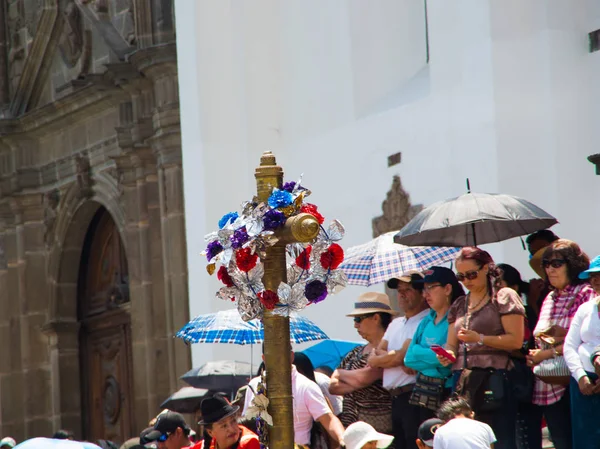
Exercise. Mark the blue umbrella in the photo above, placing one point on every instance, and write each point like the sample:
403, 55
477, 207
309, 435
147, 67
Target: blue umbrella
228, 327
50, 443
329, 352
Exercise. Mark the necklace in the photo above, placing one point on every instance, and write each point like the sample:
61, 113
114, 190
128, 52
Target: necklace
474, 306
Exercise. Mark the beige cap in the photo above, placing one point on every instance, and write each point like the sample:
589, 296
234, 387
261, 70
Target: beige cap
409, 276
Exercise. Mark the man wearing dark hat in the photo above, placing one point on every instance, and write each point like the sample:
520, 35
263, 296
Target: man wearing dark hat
219, 418
398, 379
170, 431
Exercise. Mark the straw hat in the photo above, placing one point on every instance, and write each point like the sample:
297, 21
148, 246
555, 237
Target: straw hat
372, 302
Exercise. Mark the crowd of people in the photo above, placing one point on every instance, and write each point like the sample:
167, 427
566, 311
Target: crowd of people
479, 358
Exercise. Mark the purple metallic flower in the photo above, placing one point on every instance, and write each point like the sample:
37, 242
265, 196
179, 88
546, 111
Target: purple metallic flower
239, 237
212, 249
273, 219
289, 186
315, 291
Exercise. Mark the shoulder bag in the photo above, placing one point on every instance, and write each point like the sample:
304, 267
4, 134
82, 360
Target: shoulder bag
483, 388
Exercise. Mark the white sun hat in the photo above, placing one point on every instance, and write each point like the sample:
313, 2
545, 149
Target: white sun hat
360, 433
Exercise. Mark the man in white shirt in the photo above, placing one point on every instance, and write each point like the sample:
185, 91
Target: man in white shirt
309, 406
336, 401
397, 378
461, 431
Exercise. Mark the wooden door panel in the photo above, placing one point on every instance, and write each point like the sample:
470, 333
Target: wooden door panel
109, 386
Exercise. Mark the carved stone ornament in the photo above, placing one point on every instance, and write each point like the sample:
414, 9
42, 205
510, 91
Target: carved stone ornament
51, 203
397, 210
84, 175
72, 39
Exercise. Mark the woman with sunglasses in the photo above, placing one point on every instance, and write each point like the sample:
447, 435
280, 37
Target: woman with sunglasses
441, 289
365, 399
486, 325
562, 261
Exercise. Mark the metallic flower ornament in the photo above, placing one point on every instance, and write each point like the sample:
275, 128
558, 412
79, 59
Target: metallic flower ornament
291, 299
237, 248
250, 308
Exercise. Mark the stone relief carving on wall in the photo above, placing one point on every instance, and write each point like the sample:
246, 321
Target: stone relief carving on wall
51, 203
83, 175
22, 20
397, 210
72, 39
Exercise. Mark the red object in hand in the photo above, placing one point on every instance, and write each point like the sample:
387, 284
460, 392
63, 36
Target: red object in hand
443, 353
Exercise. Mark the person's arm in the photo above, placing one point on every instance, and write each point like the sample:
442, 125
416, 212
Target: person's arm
333, 426
420, 358
572, 342
451, 346
347, 381
390, 359
514, 332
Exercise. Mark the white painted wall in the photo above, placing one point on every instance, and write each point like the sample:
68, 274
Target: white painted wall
508, 99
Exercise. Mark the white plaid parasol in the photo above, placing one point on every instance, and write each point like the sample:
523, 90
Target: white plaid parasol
381, 259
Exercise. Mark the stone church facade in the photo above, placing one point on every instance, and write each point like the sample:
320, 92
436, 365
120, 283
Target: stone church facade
93, 274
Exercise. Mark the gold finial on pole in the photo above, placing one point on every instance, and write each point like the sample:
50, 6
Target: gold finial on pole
277, 345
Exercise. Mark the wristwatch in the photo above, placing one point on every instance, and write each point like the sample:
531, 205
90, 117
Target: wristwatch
480, 342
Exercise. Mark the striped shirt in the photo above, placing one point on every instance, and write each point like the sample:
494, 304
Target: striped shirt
559, 309
372, 404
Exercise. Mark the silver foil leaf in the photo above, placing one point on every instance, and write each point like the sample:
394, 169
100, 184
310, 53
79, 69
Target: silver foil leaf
229, 293
336, 281
249, 308
291, 299
293, 274
336, 231
252, 284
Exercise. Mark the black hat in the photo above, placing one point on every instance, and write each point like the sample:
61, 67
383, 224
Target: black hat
167, 422
427, 430
411, 276
216, 408
442, 275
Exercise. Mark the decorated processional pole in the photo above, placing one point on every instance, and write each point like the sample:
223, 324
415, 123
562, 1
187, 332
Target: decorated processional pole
301, 228
276, 258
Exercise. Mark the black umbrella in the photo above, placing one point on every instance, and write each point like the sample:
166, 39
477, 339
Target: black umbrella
185, 400
222, 375
472, 219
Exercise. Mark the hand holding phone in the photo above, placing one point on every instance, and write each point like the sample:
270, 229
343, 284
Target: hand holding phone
443, 353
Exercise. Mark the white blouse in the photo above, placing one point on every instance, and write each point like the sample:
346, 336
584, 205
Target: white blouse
583, 337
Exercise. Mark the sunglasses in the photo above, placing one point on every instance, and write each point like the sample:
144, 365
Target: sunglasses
470, 275
358, 319
554, 263
164, 437
428, 288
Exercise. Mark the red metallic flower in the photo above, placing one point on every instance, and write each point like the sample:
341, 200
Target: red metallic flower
312, 209
268, 298
245, 259
224, 277
333, 257
303, 260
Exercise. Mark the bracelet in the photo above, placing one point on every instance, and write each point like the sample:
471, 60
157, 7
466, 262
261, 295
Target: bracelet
480, 342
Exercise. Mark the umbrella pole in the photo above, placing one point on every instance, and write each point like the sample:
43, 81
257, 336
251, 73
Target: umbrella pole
474, 234
277, 345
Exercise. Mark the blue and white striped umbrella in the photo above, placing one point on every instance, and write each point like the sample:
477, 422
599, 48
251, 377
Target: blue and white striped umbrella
228, 327
381, 259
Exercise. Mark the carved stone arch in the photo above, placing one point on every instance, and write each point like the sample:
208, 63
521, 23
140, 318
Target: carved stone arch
397, 210
72, 224
62, 328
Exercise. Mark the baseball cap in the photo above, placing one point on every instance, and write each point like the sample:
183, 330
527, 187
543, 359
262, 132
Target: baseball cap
427, 430
7, 442
166, 423
409, 276
594, 268
442, 275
